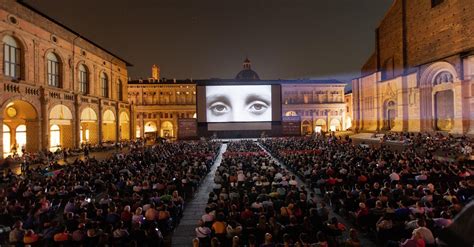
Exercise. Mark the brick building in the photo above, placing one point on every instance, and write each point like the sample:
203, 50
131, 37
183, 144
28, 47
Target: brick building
420, 76
57, 88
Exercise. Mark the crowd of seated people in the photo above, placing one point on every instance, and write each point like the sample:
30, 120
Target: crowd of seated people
397, 197
447, 145
43, 157
131, 199
256, 202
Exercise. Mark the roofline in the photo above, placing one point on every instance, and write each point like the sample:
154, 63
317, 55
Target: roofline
26, 5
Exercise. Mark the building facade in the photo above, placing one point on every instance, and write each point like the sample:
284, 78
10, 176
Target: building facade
319, 104
57, 88
348, 99
421, 75
160, 103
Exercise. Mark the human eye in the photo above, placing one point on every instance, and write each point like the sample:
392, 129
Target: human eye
219, 108
258, 107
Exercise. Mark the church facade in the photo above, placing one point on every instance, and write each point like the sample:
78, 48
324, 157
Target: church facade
421, 74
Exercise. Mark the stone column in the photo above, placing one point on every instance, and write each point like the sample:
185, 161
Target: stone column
142, 125
77, 121
175, 125
458, 106
118, 132
328, 123
356, 105
100, 116
131, 124
44, 122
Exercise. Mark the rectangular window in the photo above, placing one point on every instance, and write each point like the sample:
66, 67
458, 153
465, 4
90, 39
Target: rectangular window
120, 92
53, 73
11, 61
84, 84
105, 87
435, 3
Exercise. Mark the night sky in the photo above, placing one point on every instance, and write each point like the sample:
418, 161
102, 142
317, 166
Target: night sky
201, 39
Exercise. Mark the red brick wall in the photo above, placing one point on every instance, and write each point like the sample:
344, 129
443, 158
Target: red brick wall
434, 33
431, 33
390, 39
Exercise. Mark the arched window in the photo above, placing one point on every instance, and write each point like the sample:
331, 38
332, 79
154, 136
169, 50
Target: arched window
53, 70
55, 137
20, 138
6, 140
83, 79
11, 57
443, 77
104, 85
120, 90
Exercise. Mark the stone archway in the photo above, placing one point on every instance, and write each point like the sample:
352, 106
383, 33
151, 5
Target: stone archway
166, 129
124, 126
444, 110
21, 120
320, 125
335, 125
150, 127
306, 127
390, 114
60, 128
108, 126
438, 110
89, 129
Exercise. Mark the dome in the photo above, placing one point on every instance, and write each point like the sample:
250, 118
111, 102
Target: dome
247, 75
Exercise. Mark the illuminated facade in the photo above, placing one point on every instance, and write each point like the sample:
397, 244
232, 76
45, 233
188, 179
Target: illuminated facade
349, 110
421, 76
57, 88
159, 103
319, 104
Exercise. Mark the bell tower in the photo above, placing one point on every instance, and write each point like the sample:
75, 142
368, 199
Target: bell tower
155, 72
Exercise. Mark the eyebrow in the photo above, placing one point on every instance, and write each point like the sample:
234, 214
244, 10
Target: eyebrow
252, 97
216, 98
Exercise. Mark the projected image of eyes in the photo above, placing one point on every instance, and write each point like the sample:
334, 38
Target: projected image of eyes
238, 103
219, 108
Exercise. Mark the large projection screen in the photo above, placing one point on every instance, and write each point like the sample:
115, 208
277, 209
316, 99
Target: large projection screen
226, 104
239, 103
238, 107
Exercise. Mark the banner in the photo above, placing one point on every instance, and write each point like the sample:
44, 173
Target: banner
187, 128
291, 125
